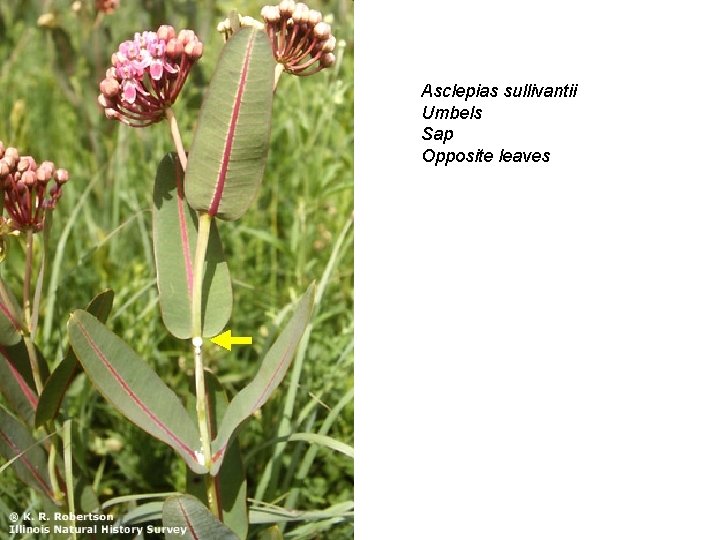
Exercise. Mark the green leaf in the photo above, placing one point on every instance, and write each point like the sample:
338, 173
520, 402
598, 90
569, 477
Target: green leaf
188, 513
174, 237
17, 390
30, 461
60, 379
231, 143
271, 372
10, 317
133, 387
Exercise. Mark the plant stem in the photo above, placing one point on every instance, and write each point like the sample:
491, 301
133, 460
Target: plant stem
176, 137
27, 308
204, 424
203, 418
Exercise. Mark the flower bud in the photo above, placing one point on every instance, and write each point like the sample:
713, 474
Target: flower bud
2, 149
62, 176
12, 156
186, 36
271, 14
329, 44
4, 168
286, 8
322, 30
300, 15
194, 50
26, 163
110, 87
45, 171
314, 16
28, 178
224, 26
327, 60
174, 48
166, 32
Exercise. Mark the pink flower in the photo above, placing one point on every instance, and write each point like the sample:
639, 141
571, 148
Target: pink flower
147, 75
30, 189
301, 41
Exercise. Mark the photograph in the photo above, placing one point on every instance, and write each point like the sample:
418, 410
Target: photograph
177, 270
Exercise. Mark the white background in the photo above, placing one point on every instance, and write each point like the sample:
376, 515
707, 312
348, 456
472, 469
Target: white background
538, 346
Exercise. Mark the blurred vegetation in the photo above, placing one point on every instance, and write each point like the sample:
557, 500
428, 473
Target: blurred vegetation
300, 226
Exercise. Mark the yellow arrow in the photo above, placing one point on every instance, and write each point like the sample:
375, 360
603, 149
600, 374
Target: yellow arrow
227, 340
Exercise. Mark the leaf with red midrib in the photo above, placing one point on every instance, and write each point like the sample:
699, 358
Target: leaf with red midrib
174, 238
231, 143
18, 393
133, 387
10, 317
271, 372
30, 463
186, 512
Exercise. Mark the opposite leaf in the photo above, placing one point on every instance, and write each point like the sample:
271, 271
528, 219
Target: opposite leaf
133, 387
187, 513
231, 142
30, 463
174, 237
10, 317
17, 390
271, 372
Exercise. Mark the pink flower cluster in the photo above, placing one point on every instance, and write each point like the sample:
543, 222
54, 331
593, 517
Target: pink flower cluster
147, 75
27, 188
301, 41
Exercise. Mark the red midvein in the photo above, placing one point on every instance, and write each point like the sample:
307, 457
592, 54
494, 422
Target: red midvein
187, 520
10, 317
184, 233
134, 396
262, 397
220, 184
27, 464
24, 388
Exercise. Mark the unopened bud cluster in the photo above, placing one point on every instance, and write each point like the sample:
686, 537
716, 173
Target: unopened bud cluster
107, 6
30, 189
301, 41
147, 75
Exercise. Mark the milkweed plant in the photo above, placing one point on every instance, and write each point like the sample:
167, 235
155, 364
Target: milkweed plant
194, 194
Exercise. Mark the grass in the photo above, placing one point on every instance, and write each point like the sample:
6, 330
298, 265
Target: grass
299, 231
